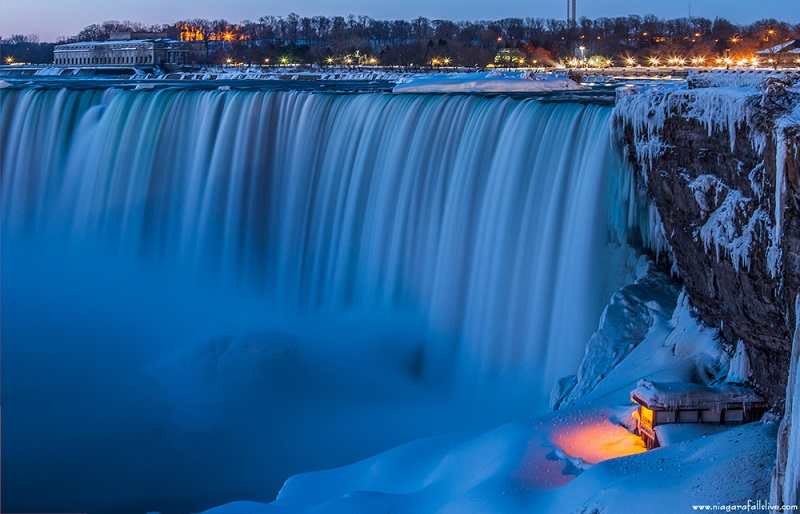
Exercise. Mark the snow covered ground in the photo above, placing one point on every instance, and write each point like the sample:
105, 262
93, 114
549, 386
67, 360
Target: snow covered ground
487, 82
579, 458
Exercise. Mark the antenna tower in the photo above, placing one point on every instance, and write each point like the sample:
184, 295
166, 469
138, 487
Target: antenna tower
573, 14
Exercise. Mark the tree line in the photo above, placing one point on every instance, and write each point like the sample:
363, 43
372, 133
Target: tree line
421, 41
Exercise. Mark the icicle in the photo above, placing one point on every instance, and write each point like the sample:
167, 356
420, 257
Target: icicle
785, 485
739, 370
791, 484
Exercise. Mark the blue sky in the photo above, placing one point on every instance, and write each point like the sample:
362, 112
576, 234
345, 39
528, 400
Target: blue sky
53, 18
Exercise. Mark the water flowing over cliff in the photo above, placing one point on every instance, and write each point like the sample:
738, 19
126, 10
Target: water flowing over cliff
489, 216
498, 222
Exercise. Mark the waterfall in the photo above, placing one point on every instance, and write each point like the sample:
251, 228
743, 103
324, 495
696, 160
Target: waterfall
491, 217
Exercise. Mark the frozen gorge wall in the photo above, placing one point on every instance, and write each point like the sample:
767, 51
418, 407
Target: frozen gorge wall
719, 160
490, 217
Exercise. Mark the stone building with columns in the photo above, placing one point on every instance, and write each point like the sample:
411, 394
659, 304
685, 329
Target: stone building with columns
129, 49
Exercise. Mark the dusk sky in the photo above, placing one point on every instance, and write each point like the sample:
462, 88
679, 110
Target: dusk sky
53, 18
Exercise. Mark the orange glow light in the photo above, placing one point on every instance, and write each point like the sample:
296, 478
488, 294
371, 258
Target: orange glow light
597, 440
556, 445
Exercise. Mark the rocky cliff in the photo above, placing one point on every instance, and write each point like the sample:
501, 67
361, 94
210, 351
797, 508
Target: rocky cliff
718, 158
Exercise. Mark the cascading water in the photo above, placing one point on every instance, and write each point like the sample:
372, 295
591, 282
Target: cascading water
494, 220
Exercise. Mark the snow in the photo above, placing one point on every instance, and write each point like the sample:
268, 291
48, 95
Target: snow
624, 324
239, 507
702, 186
721, 230
674, 433
580, 458
487, 82
726, 469
693, 340
4, 84
689, 396
753, 78
777, 48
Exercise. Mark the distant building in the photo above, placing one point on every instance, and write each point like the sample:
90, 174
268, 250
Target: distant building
783, 54
130, 49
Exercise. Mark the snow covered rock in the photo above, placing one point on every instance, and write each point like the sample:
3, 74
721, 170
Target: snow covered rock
718, 157
488, 82
624, 324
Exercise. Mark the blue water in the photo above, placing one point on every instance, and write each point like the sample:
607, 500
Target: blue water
207, 291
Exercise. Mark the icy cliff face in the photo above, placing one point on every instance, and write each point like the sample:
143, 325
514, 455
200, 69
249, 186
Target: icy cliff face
786, 475
718, 158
